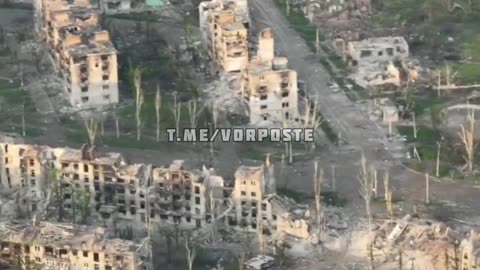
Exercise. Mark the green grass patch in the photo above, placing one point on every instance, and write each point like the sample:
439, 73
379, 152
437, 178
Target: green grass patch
12, 5
424, 134
472, 47
298, 196
298, 22
328, 197
468, 73
14, 99
333, 199
135, 17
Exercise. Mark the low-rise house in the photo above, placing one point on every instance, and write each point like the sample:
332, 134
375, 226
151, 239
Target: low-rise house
373, 60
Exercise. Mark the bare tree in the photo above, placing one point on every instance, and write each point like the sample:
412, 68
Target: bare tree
176, 110
191, 250
414, 126
91, 125
333, 178
427, 188
437, 167
467, 136
23, 119
366, 190
388, 194
158, 105
317, 185
214, 114
139, 99
193, 112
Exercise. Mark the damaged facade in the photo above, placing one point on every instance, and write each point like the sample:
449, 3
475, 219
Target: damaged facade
225, 33
255, 200
270, 87
432, 245
266, 84
62, 247
377, 61
83, 52
142, 193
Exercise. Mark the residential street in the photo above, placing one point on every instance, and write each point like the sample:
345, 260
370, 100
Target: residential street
346, 117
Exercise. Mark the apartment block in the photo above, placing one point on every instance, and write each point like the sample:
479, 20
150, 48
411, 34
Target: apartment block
83, 52
225, 34
255, 200
270, 87
66, 247
144, 193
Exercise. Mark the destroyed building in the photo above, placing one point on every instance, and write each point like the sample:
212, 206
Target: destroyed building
377, 61
270, 87
140, 193
62, 247
470, 252
225, 33
83, 52
255, 200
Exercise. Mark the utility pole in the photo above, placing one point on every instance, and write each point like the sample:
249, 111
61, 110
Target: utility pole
437, 169
288, 7
427, 188
333, 177
317, 41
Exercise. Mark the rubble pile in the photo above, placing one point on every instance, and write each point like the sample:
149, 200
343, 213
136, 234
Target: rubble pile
425, 244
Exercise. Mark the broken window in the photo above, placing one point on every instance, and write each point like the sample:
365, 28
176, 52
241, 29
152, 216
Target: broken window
243, 193
105, 77
84, 89
84, 99
197, 200
264, 207
285, 105
85, 253
142, 205
254, 194
86, 179
365, 53
285, 94
390, 51
197, 190
380, 53
263, 97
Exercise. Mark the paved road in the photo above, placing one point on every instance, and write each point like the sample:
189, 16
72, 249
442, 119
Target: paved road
345, 116
353, 123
